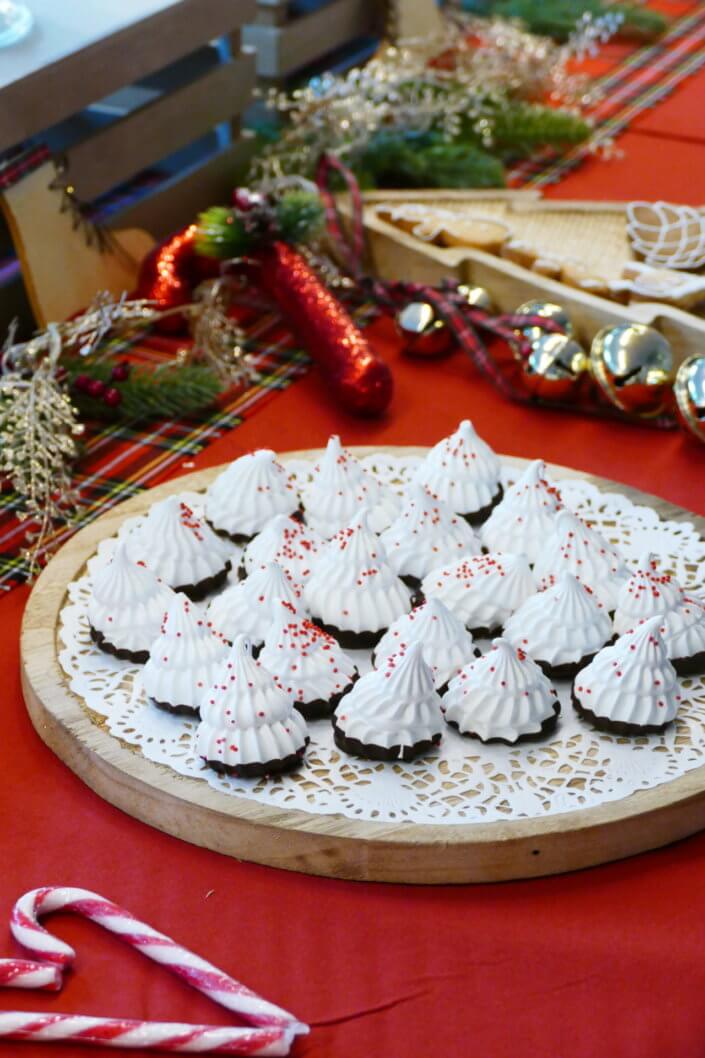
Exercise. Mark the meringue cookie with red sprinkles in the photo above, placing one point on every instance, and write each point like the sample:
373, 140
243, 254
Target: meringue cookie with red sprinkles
426, 535
306, 662
464, 473
526, 515
630, 688
250, 492
445, 641
249, 727
353, 592
286, 541
649, 592
248, 607
126, 607
392, 713
180, 549
562, 628
580, 549
339, 487
483, 591
502, 697
183, 660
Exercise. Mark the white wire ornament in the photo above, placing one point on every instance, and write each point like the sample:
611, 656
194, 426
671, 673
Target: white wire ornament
663, 233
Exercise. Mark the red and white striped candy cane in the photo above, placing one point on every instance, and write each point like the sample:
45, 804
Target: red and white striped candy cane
274, 1028
147, 1035
21, 973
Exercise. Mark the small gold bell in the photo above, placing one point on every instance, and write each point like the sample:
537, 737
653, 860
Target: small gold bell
554, 367
424, 334
633, 365
550, 311
689, 389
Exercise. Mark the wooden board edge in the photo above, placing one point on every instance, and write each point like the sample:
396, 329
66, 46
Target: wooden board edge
320, 844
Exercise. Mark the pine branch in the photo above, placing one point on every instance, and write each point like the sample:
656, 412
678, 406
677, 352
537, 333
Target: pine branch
173, 390
559, 18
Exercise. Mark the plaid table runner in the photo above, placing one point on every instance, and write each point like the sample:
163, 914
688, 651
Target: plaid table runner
640, 81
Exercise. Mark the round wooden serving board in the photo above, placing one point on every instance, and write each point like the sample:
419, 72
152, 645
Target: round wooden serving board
319, 844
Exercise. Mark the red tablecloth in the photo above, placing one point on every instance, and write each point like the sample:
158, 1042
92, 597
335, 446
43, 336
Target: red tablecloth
604, 962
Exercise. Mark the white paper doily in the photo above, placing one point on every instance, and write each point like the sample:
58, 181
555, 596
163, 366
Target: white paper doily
464, 782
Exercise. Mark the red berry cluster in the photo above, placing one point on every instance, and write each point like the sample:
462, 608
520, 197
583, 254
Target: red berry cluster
98, 390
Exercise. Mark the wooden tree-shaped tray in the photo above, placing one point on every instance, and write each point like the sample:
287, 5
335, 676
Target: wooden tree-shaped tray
326, 844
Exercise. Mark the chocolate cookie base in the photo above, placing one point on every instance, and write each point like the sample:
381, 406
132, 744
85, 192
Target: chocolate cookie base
257, 770
369, 751
569, 669
138, 656
177, 710
691, 666
476, 518
615, 727
411, 582
244, 538
547, 727
485, 632
351, 640
320, 708
198, 591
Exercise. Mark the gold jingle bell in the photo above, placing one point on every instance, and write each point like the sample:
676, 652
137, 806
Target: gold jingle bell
424, 334
633, 365
478, 297
550, 311
689, 389
554, 367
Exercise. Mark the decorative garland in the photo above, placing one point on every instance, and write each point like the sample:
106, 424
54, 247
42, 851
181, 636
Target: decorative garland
560, 18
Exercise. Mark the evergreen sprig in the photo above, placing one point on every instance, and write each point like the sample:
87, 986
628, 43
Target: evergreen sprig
227, 232
168, 390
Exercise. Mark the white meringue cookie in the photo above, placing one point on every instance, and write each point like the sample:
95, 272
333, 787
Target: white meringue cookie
586, 554
127, 604
502, 697
483, 591
248, 723
426, 535
525, 517
251, 491
462, 471
445, 642
631, 684
339, 487
248, 607
288, 542
393, 707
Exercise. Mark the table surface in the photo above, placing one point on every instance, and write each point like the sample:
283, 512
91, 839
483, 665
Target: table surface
62, 30
603, 962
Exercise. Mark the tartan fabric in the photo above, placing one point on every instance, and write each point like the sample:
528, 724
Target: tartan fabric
640, 81
122, 459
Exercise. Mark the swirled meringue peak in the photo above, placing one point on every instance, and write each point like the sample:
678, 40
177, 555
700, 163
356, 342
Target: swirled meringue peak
586, 554
648, 593
525, 516
127, 604
248, 607
248, 724
339, 487
426, 535
462, 471
502, 697
394, 708
483, 591
445, 642
286, 541
353, 588
562, 625
178, 547
305, 661
630, 687
253, 489
183, 659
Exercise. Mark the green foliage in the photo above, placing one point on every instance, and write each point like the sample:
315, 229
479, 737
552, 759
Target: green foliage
558, 18
298, 216
167, 391
520, 128
412, 160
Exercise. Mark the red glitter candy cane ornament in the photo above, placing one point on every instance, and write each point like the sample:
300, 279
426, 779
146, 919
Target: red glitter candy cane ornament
273, 1029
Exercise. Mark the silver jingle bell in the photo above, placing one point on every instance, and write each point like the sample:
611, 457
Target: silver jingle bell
633, 365
424, 334
689, 389
554, 367
550, 311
